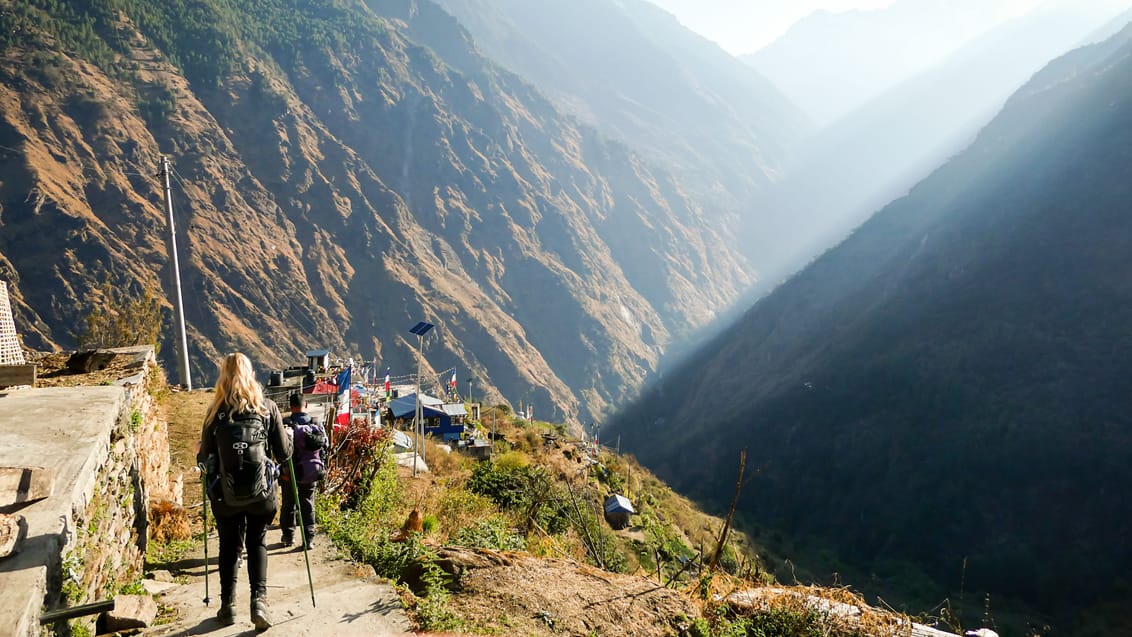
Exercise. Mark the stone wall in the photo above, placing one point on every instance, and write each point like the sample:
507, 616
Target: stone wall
106, 543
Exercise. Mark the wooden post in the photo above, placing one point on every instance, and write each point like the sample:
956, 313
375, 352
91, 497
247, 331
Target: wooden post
730, 512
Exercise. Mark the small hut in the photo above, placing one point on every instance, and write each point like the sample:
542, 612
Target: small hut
318, 360
617, 511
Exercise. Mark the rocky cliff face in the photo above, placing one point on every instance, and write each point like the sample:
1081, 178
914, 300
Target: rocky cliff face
636, 74
341, 172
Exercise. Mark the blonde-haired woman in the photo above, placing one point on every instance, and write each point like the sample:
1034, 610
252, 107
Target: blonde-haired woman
242, 433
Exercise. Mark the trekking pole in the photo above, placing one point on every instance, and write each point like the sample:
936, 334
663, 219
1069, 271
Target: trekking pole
204, 515
302, 529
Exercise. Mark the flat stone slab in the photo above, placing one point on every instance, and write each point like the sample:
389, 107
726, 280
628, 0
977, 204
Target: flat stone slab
155, 587
351, 599
66, 430
24, 485
131, 612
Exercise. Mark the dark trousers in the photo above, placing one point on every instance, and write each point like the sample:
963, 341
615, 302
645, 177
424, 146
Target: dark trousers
306, 508
242, 530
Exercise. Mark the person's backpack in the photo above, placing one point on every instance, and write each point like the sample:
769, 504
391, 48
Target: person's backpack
246, 474
310, 440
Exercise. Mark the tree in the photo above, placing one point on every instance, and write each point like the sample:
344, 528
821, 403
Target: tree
121, 320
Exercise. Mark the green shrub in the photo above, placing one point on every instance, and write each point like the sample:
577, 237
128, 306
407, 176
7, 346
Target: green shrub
132, 588
490, 533
458, 507
509, 460
433, 613
360, 526
530, 491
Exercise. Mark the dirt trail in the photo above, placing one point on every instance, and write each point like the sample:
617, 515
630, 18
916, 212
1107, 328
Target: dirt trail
350, 599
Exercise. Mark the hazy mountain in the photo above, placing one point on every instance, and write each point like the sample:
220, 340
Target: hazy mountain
830, 63
940, 403
876, 153
343, 170
630, 69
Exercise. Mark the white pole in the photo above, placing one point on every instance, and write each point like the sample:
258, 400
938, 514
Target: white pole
178, 306
418, 429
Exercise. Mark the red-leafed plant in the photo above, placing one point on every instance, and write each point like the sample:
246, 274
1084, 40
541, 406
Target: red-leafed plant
357, 452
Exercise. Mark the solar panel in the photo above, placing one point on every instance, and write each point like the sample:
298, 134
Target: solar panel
420, 329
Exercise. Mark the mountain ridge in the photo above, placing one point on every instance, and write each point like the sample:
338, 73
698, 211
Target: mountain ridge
336, 175
944, 388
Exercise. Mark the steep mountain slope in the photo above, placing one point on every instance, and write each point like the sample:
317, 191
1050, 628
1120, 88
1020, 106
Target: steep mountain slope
876, 153
630, 69
942, 399
343, 170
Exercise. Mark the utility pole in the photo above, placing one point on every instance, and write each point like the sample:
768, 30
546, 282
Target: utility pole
175, 296
418, 428
420, 329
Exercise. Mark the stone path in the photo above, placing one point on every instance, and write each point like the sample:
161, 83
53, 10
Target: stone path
350, 599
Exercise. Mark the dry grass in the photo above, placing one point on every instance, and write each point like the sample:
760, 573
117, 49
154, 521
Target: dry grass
840, 611
446, 463
169, 521
185, 413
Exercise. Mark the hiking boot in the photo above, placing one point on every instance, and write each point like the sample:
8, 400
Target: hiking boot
261, 617
227, 613
309, 534
287, 539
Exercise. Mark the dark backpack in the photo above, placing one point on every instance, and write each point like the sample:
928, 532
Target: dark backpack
310, 440
246, 474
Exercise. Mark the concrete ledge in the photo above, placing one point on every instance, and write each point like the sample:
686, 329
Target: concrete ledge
69, 430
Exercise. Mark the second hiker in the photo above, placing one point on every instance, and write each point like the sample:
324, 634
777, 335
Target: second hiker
310, 466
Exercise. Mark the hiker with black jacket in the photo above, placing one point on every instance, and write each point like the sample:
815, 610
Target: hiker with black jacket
241, 443
310, 465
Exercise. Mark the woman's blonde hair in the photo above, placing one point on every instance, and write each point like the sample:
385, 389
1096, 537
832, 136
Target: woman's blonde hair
237, 390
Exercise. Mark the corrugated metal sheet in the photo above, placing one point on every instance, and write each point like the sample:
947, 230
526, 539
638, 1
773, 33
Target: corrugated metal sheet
618, 504
454, 409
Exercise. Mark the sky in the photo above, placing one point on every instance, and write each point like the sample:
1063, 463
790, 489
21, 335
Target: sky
745, 26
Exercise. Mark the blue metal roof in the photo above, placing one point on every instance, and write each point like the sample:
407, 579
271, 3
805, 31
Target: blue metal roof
405, 406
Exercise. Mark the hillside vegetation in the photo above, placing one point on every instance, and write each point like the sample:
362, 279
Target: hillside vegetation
516, 544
